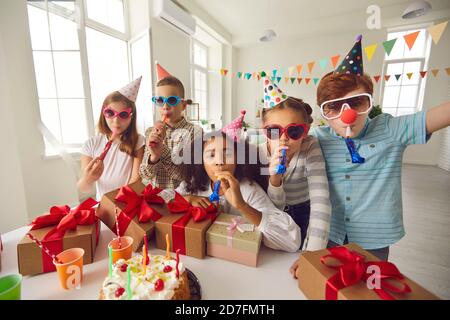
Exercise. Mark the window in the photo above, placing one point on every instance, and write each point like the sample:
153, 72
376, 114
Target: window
405, 95
81, 54
199, 71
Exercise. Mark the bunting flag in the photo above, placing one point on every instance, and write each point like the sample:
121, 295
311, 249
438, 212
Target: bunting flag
239, 74
278, 79
388, 45
307, 80
299, 69
311, 66
370, 50
263, 74
223, 72
233, 74
397, 76
299, 80
274, 73
248, 76
316, 80
448, 71
376, 78
409, 75
436, 31
286, 79
291, 71
435, 72
423, 74
335, 60
323, 63
292, 80
410, 39
387, 77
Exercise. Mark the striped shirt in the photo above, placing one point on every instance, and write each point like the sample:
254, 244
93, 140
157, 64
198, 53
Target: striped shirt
367, 198
167, 173
306, 179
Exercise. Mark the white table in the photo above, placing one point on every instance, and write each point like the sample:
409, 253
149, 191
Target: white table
219, 279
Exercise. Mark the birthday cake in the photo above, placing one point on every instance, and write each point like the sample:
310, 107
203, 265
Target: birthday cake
158, 282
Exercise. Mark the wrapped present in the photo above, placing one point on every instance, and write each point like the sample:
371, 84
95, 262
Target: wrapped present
138, 207
232, 238
63, 228
186, 225
351, 273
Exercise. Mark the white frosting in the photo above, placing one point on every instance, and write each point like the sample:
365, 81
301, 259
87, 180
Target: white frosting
143, 286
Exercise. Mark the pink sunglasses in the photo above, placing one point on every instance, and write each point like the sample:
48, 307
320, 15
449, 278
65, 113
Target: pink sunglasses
111, 113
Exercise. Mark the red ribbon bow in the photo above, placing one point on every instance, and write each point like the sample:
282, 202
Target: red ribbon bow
65, 219
138, 204
353, 269
179, 205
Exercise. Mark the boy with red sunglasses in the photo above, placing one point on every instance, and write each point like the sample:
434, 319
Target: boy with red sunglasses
364, 157
298, 180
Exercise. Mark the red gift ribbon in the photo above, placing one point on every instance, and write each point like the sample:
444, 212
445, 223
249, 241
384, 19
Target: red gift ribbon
138, 204
65, 219
180, 205
353, 269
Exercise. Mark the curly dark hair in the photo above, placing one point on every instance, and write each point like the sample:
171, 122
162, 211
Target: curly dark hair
195, 174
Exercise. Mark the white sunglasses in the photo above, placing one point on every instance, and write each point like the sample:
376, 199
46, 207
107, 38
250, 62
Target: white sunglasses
332, 109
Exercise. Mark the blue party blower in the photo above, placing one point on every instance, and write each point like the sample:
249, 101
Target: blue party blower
281, 167
215, 194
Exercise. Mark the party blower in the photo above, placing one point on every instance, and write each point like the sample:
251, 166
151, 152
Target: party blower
281, 167
348, 117
108, 145
214, 197
160, 126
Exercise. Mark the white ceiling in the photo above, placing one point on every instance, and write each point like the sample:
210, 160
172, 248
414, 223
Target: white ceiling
247, 19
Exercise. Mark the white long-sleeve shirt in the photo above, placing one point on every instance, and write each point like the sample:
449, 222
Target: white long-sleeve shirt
306, 179
279, 230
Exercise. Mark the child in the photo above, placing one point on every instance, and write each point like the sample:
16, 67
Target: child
364, 169
302, 190
239, 194
120, 165
166, 140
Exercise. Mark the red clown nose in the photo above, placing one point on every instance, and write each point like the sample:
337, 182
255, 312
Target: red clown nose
348, 116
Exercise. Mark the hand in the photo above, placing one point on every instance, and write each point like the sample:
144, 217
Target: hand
155, 141
198, 201
231, 190
294, 268
276, 179
93, 170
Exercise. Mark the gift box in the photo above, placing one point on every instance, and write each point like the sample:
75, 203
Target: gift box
63, 228
138, 207
232, 238
351, 273
186, 225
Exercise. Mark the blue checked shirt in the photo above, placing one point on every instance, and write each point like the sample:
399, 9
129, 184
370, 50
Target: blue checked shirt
366, 198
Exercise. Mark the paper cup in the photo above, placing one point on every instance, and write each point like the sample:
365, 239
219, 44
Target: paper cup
70, 271
125, 251
10, 287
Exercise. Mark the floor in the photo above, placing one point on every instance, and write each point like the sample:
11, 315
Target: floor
424, 253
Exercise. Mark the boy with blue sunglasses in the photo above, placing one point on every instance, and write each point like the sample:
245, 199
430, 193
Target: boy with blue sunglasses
166, 140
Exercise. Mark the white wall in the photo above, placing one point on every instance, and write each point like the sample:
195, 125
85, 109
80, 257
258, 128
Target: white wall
285, 53
33, 183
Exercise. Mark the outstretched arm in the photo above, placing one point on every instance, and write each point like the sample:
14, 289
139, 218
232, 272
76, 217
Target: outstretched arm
438, 117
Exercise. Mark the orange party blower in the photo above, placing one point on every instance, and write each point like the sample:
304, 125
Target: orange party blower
108, 146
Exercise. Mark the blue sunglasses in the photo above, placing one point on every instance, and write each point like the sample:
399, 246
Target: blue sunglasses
172, 101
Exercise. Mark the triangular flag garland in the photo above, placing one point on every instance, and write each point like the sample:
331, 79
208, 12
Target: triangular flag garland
307, 80
423, 74
435, 72
292, 80
387, 77
311, 66
397, 76
299, 69
291, 71
411, 38
376, 78
436, 31
316, 80
388, 45
370, 50
299, 80
448, 71
335, 60
323, 63
409, 75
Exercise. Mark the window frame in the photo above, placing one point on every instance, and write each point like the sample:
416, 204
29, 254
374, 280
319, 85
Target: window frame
204, 70
80, 17
424, 60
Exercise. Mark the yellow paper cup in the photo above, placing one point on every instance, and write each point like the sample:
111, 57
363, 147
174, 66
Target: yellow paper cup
70, 271
122, 249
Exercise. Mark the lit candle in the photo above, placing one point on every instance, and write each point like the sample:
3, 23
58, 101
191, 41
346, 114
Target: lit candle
110, 264
167, 246
178, 260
